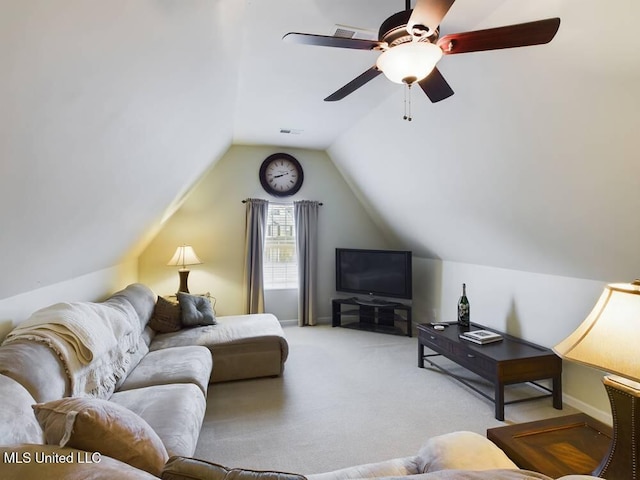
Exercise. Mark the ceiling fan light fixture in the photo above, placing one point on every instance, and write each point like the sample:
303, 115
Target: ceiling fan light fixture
409, 62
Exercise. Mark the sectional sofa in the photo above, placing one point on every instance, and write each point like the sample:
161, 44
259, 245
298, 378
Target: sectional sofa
128, 403
86, 365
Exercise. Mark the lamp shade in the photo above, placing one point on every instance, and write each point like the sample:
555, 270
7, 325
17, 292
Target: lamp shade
609, 337
409, 62
185, 255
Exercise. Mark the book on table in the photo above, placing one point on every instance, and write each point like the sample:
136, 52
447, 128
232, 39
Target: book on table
481, 336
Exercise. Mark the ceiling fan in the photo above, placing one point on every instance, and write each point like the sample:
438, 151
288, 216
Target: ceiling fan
411, 46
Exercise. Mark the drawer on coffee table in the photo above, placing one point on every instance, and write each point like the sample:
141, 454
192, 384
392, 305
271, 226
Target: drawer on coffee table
435, 342
472, 360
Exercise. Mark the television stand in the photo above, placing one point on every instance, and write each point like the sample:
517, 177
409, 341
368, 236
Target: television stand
373, 316
374, 302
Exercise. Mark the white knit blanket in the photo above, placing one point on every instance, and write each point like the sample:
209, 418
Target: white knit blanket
94, 341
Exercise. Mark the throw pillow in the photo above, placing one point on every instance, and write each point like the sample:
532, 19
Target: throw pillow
166, 316
96, 425
196, 310
184, 468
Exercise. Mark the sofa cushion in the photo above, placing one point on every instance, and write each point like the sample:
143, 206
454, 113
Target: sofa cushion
175, 412
18, 424
134, 359
148, 334
181, 468
166, 317
462, 451
141, 298
102, 426
172, 365
196, 310
77, 465
36, 367
229, 330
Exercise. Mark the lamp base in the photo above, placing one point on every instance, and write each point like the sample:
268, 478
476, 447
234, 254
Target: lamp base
184, 274
622, 461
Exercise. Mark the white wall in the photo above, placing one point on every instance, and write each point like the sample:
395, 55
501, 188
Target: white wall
427, 290
540, 308
212, 219
91, 287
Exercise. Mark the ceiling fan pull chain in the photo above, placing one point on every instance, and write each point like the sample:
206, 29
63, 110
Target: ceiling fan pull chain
407, 102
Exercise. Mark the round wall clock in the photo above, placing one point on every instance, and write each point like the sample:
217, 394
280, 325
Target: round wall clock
281, 175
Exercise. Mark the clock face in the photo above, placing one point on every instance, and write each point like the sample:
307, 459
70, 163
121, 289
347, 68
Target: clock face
281, 175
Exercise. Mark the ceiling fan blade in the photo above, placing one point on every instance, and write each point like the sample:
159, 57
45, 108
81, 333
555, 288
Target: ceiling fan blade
428, 13
328, 41
435, 86
354, 84
521, 35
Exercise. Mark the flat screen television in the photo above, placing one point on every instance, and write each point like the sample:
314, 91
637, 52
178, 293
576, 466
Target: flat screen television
385, 273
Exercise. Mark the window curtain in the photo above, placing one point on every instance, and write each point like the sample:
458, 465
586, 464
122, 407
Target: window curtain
306, 222
256, 224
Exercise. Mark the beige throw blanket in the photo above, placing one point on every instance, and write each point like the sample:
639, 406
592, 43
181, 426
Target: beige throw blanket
94, 341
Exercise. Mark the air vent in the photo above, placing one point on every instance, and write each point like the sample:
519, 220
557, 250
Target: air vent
291, 131
344, 31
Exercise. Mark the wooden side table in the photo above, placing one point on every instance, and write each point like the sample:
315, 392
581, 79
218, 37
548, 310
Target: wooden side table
572, 444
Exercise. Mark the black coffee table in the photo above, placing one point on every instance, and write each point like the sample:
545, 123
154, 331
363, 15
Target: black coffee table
510, 361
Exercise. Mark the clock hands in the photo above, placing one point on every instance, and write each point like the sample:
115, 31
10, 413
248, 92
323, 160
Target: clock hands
281, 175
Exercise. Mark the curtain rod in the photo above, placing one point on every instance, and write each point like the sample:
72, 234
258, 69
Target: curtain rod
281, 203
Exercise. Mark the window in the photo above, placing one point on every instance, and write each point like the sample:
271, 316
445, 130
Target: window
280, 264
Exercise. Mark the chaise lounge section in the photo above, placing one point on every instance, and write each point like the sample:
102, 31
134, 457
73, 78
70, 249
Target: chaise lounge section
243, 346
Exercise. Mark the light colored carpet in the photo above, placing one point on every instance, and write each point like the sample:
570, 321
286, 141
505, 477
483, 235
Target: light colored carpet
346, 397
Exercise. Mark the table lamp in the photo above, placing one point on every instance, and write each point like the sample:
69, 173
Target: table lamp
185, 255
609, 340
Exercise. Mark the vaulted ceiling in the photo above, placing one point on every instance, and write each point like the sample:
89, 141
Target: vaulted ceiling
112, 110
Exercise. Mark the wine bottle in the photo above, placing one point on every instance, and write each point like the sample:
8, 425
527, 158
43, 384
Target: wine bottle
463, 308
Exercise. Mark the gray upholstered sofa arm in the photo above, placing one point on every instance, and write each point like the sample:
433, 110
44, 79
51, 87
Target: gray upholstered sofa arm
451, 451
461, 451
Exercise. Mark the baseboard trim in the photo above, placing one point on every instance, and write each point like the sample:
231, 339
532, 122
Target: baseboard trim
603, 416
294, 321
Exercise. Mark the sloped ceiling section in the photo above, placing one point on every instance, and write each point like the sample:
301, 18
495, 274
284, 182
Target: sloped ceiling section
110, 110
532, 165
